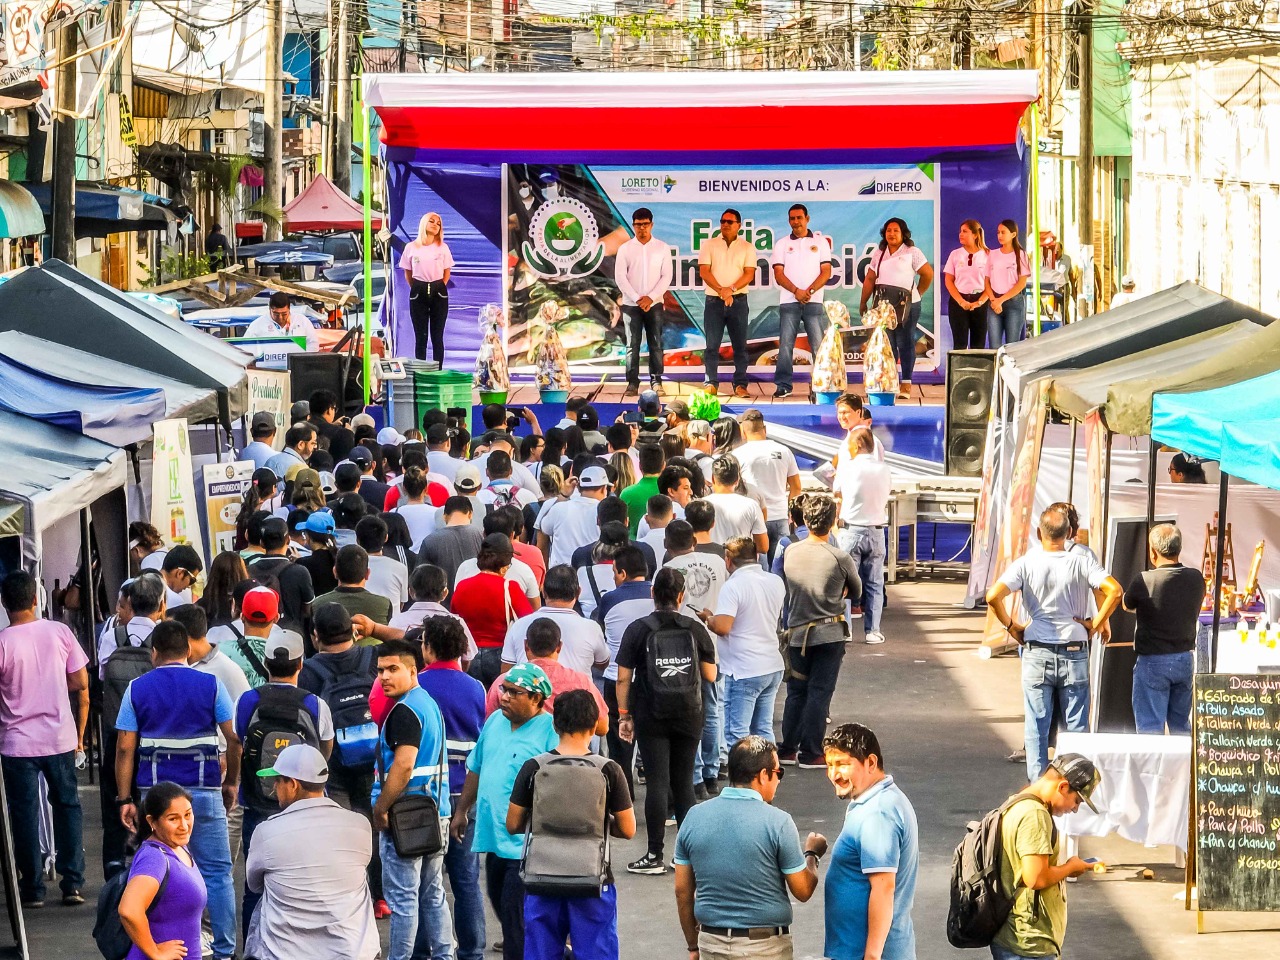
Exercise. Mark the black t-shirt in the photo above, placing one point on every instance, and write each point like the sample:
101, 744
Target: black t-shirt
714, 548
296, 590
374, 492
320, 565
631, 654
402, 728
617, 796
334, 437
1167, 600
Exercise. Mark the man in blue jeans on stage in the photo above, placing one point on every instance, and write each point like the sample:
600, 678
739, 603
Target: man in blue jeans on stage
1167, 600
726, 265
802, 265
1055, 587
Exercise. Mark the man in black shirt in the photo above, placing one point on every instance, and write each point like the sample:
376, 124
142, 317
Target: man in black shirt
291, 581
371, 488
548, 920
335, 435
668, 731
1167, 602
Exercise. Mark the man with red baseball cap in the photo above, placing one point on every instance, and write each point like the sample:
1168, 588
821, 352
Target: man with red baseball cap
245, 642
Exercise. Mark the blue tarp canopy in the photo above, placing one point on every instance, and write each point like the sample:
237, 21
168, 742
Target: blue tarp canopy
115, 415
1251, 450
1193, 422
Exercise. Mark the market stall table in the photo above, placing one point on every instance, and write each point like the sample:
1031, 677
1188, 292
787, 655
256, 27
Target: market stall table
1145, 790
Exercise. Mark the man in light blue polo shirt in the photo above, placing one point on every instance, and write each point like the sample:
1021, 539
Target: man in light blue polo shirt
737, 856
871, 882
518, 731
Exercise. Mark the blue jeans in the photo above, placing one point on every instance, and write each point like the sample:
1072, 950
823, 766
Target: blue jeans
249, 821
706, 765
211, 850
750, 707
21, 785
715, 317
463, 868
1009, 324
790, 316
903, 340
1004, 953
1162, 692
776, 529
590, 923
414, 886
1049, 676
866, 546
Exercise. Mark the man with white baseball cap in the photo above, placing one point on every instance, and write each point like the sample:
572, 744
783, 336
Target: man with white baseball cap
565, 525
315, 896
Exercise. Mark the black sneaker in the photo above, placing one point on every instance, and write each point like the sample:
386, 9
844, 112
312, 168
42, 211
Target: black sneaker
72, 898
782, 393
723, 774
631, 388
712, 788
655, 385
787, 758
700, 792
32, 903
648, 864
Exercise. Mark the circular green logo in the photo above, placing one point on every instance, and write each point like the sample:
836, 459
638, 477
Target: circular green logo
563, 233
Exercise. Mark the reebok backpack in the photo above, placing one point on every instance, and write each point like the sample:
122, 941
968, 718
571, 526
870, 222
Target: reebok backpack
673, 673
566, 844
979, 907
281, 719
108, 932
355, 742
125, 665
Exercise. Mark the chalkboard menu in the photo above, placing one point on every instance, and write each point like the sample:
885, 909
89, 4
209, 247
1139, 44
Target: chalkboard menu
1237, 791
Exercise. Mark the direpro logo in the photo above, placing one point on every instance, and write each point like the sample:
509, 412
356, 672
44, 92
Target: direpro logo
874, 187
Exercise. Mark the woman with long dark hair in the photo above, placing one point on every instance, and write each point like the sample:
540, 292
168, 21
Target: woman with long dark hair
162, 902
1007, 271
575, 441
726, 434
427, 262
965, 276
225, 573
899, 273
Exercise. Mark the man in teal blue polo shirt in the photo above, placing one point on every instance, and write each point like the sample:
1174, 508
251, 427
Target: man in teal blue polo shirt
737, 856
518, 731
871, 882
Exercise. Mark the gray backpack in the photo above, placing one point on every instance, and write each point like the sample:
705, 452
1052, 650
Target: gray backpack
566, 844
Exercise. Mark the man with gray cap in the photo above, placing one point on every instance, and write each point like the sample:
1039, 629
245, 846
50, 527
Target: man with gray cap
262, 430
315, 897
1029, 870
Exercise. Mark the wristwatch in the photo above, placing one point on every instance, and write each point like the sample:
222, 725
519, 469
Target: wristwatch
815, 854
123, 801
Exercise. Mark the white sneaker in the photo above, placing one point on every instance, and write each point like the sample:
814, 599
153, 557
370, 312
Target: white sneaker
875, 636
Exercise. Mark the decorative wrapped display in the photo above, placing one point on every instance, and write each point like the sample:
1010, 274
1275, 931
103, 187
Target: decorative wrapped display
492, 376
880, 369
830, 378
551, 364
704, 406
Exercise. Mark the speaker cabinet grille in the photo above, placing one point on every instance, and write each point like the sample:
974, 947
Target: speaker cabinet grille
970, 377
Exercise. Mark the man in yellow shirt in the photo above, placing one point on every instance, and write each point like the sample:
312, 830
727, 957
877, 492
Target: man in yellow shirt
726, 264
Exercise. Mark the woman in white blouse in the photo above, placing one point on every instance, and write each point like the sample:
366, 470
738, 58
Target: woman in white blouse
1007, 272
427, 262
965, 276
899, 273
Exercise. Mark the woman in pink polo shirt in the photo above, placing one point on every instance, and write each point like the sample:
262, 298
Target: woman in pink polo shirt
426, 263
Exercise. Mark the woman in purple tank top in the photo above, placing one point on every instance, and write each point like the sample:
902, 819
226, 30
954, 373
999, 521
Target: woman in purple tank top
162, 903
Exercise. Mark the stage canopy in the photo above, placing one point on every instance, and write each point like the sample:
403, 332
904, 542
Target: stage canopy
1121, 387
62, 305
1142, 324
599, 118
322, 206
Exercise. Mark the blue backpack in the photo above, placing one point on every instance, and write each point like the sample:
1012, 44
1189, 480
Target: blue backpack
108, 932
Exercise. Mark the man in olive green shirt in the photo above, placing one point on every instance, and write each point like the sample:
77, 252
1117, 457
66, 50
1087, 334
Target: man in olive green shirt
636, 496
351, 567
1037, 924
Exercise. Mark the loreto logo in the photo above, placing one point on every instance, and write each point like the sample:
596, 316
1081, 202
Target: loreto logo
565, 240
667, 184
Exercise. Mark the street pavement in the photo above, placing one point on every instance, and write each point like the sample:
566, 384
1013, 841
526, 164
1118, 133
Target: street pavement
946, 720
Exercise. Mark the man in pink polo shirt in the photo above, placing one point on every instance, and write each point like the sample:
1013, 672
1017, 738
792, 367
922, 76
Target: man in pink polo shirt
542, 647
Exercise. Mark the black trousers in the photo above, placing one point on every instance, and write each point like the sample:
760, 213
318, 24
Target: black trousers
968, 327
428, 309
487, 665
353, 789
649, 324
115, 837
621, 752
814, 672
668, 774
506, 894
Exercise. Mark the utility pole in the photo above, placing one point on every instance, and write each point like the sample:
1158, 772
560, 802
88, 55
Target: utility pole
342, 116
273, 114
63, 212
1085, 171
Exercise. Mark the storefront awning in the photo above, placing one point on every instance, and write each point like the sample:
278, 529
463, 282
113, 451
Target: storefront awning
103, 209
20, 214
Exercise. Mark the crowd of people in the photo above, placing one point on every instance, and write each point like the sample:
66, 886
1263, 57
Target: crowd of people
460, 664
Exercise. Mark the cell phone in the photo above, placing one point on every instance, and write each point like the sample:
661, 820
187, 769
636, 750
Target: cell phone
458, 413
513, 420
633, 416
1090, 860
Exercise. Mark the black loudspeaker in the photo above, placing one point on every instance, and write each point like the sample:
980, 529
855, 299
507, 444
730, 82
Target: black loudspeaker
309, 372
970, 377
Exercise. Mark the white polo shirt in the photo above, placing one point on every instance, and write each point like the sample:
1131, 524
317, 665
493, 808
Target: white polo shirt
967, 270
766, 466
899, 269
582, 643
300, 325
736, 516
801, 260
570, 524
864, 485
727, 262
643, 270
753, 597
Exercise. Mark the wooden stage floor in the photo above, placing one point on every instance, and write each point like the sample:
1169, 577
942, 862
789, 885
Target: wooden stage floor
523, 394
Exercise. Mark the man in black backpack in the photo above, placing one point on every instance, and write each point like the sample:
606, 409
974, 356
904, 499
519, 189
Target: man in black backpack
275, 570
565, 785
341, 674
268, 719
662, 661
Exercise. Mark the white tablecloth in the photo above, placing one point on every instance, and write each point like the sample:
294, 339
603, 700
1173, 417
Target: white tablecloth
1145, 790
